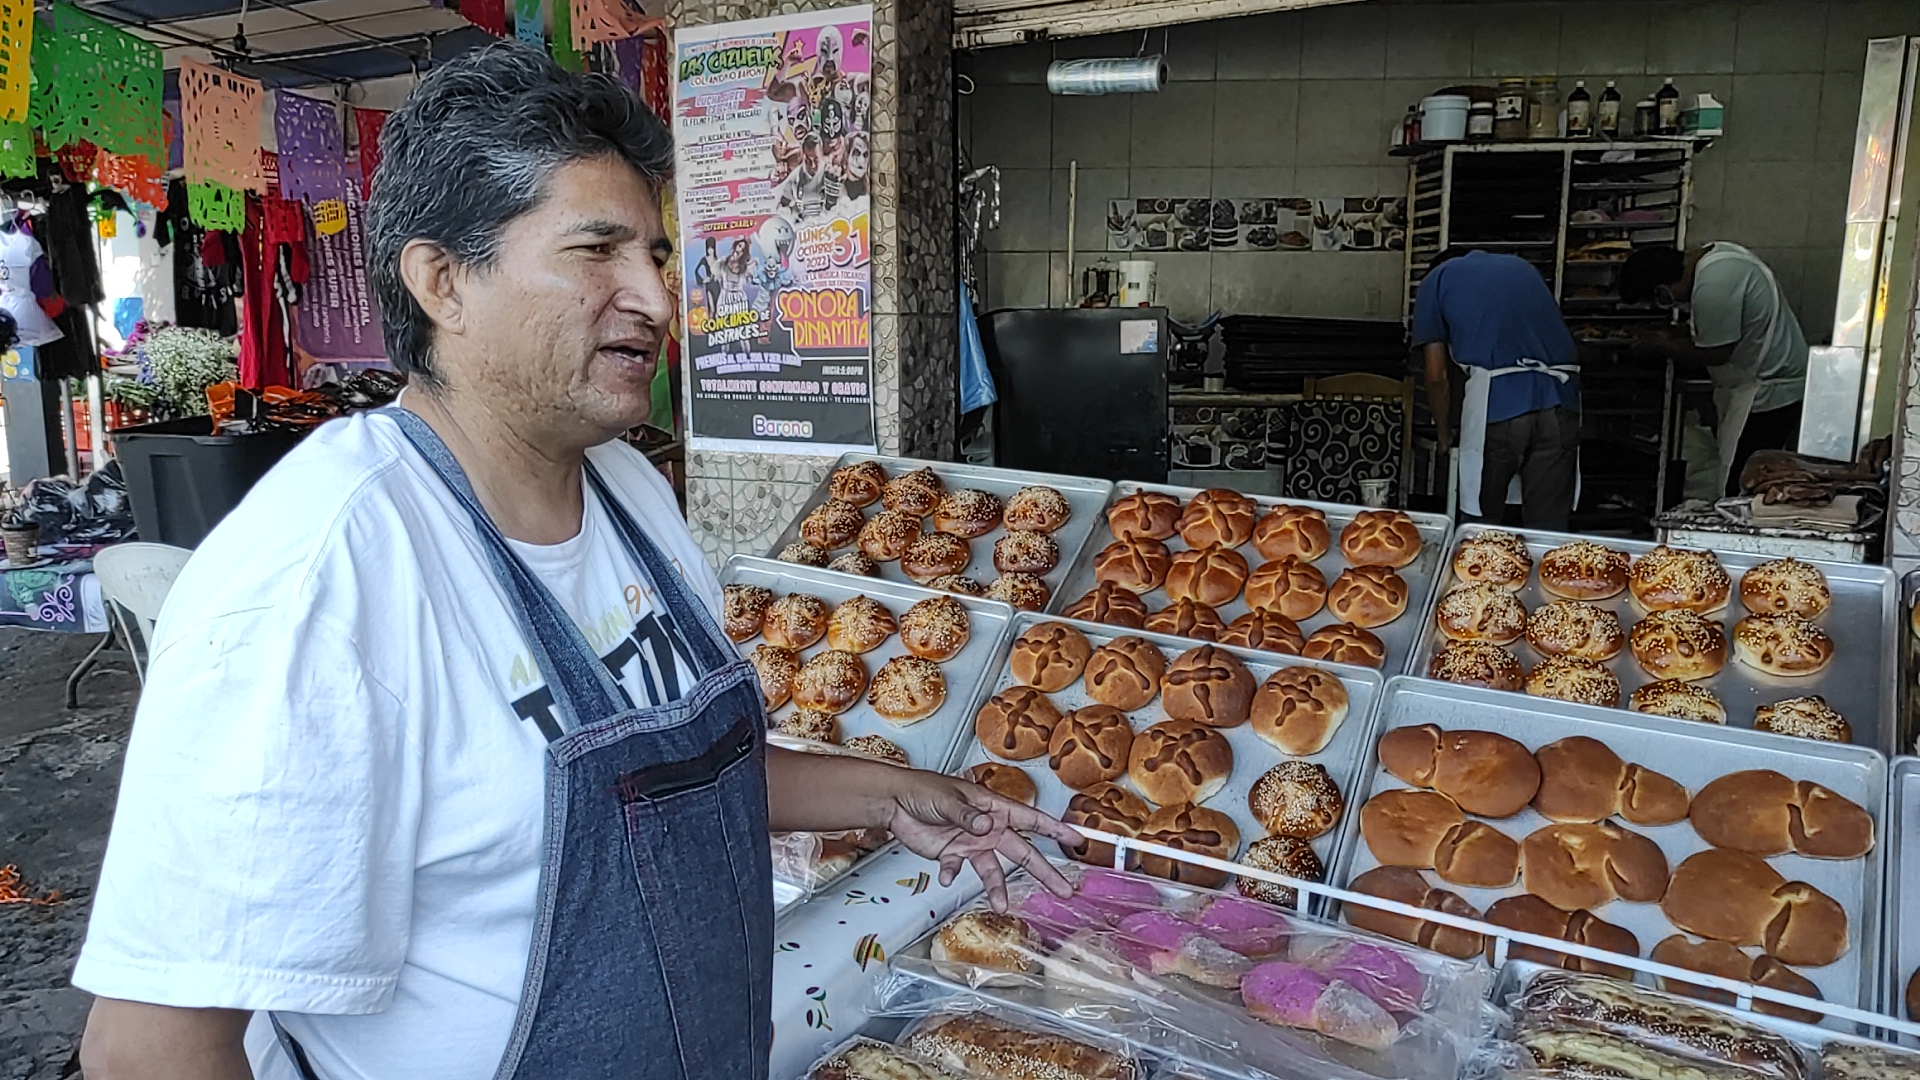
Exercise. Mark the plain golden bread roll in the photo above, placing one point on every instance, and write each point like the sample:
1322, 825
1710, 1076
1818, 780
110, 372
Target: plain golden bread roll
888, 534
859, 484
1583, 780
1477, 663
1584, 570
967, 513
1574, 678
1283, 855
1194, 829
936, 629
1530, 914
986, 1047
1730, 962
1026, 553
810, 724
832, 524
1782, 645
1575, 628
1049, 656
795, 621
1144, 515
985, 941
1025, 592
1268, 631
1090, 746
1367, 596
1386, 538
775, 666
1344, 643
1486, 613
1736, 897
1297, 531
801, 553
918, 493
1493, 558
1209, 575
1125, 673
1016, 723
1404, 826
935, 555
1298, 709
906, 690
1188, 619
1288, 586
1179, 761
1138, 565
1806, 717
1218, 517
1297, 799
859, 625
1679, 699
1476, 855
1408, 887
1679, 579
1109, 808
1485, 772
1584, 866
854, 562
830, 682
1786, 587
1765, 813
1207, 685
958, 583
745, 610
1006, 781
878, 747
1037, 509
1109, 604
1679, 644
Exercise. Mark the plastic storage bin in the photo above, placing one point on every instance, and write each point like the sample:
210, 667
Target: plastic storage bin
183, 478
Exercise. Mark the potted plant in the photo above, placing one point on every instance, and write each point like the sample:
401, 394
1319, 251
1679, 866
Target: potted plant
20, 533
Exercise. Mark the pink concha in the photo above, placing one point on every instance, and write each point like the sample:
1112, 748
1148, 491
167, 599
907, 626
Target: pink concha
1282, 993
1054, 919
1248, 927
1380, 973
1152, 939
1118, 895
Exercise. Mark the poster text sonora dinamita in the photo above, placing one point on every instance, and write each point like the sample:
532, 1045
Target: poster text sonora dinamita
772, 119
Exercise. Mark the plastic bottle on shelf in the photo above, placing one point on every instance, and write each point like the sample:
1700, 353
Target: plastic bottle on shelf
1667, 109
1607, 114
1579, 111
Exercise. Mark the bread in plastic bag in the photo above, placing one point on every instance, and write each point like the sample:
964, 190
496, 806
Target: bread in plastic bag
861, 1058
1555, 1003
991, 1044
1846, 1060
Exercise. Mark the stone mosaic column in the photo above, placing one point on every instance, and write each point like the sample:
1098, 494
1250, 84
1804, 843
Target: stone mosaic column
738, 503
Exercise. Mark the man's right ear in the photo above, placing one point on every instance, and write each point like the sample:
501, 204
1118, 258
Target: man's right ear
432, 276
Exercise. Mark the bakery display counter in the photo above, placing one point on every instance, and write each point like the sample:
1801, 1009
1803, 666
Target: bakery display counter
1643, 835
1900, 980
1707, 655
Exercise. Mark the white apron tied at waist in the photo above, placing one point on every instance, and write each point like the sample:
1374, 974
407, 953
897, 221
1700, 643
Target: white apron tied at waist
1473, 427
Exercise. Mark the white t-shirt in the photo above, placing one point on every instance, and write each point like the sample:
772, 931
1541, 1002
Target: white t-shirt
332, 805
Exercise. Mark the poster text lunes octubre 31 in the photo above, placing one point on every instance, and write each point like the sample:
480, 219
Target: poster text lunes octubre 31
772, 120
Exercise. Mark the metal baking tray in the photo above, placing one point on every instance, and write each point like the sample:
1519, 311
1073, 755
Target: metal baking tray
1086, 498
931, 743
1691, 753
1343, 756
1399, 636
1907, 738
1902, 955
1860, 682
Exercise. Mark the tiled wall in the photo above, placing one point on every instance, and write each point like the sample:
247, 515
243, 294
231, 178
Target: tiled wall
1304, 103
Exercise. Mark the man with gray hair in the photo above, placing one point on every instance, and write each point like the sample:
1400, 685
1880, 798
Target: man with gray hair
444, 767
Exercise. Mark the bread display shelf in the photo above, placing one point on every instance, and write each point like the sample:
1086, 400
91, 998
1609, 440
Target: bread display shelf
1864, 622
1902, 955
1400, 636
1086, 498
930, 743
1342, 757
1691, 753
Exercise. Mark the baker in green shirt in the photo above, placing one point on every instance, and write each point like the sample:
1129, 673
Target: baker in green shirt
1741, 327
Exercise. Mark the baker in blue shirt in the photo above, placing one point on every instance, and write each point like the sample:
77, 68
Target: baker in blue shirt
1494, 316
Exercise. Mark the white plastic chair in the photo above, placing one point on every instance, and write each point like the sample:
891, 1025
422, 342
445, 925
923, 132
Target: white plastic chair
135, 579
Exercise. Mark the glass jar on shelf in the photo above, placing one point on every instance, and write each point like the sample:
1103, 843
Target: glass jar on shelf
1543, 107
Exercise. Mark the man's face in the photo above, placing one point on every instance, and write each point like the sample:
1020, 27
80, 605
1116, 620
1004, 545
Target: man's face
565, 326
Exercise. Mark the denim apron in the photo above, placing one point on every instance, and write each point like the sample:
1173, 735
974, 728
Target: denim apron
652, 953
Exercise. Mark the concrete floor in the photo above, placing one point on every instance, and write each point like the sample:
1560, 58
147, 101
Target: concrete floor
59, 770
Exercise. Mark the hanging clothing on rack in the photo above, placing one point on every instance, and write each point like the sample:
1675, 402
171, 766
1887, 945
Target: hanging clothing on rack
203, 290
273, 266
